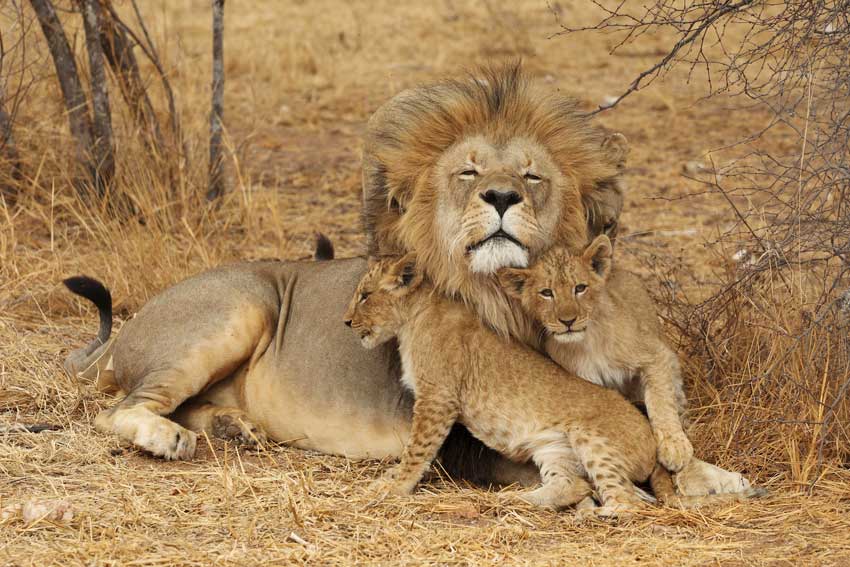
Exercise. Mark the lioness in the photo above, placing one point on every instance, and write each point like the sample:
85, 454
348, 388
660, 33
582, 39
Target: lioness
609, 334
512, 398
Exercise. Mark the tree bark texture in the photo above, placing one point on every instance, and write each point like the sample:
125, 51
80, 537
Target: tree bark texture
216, 176
103, 149
69, 81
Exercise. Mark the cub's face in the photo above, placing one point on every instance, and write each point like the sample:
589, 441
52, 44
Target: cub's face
497, 205
561, 290
376, 312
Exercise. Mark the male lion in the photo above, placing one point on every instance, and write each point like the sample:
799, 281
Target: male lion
255, 348
487, 173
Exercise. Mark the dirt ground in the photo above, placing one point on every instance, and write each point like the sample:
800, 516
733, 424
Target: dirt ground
302, 79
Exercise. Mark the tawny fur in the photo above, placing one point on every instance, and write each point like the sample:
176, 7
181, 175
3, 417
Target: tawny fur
499, 123
602, 324
512, 398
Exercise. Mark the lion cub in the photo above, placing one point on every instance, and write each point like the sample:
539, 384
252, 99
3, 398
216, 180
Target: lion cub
512, 398
609, 334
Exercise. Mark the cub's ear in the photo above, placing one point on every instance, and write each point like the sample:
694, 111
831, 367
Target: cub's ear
405, 274
598, 255
512, 281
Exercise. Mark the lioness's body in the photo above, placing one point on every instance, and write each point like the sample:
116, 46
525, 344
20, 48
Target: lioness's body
509, 396
266, 338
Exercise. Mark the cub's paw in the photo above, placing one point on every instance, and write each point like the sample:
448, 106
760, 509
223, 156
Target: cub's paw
675, 450
166, 439
391, 485
612, 511
235, 427
541, 497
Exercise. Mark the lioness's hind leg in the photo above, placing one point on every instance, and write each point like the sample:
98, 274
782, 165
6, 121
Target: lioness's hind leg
227, 423
167, 374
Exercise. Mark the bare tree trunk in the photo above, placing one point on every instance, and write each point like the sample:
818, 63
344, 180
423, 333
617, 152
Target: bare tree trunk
118, 51
103, 150
10, 161
216, 178
69, 81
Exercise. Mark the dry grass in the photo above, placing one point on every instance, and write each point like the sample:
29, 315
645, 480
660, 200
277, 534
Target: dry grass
302, 79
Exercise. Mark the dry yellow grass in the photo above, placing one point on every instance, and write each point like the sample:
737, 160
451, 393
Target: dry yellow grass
302, 79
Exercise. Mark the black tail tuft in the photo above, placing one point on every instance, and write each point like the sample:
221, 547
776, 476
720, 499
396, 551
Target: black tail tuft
324, 248
97, 293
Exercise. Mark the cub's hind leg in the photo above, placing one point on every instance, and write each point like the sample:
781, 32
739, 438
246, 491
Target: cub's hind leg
563, 483
610, 474
227, 423
162, 378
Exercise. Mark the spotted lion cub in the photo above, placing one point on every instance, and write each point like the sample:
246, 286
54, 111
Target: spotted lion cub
512, 398
609, 334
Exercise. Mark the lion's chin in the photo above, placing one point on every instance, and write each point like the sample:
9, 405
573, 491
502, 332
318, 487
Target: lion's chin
496, 254
373, 339
569, 336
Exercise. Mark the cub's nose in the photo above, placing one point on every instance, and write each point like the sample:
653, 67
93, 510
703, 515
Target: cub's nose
348, 322
568, 323
501, 200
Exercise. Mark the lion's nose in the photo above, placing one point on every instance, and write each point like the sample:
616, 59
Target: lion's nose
568, 323
348, 322
501, 200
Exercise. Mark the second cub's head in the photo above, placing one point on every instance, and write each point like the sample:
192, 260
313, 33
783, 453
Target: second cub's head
561, 290
377, 310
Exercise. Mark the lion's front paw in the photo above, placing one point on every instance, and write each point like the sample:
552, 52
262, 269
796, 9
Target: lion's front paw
674, 450
699, 478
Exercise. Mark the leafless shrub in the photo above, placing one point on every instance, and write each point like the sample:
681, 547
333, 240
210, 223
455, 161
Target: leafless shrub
774, 335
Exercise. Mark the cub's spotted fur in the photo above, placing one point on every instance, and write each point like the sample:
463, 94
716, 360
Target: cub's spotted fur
512, 398
609, 334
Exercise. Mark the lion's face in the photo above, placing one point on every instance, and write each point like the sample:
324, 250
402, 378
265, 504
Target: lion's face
561, 290
496, 205
485, 173
376, 311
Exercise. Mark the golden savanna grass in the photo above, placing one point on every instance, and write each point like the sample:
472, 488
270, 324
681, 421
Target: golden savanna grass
302, 79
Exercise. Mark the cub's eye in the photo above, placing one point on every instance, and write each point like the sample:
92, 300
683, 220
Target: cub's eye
580, 288
547, 293
531, 178
364, 296
467, 174
609, 226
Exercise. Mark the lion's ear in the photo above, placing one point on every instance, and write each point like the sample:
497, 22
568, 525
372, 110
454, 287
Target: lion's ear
513, 281
405, 274
616, 148
598, 255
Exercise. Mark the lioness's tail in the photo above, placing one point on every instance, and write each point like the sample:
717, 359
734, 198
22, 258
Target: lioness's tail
662, 485
97, 293
324, 248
